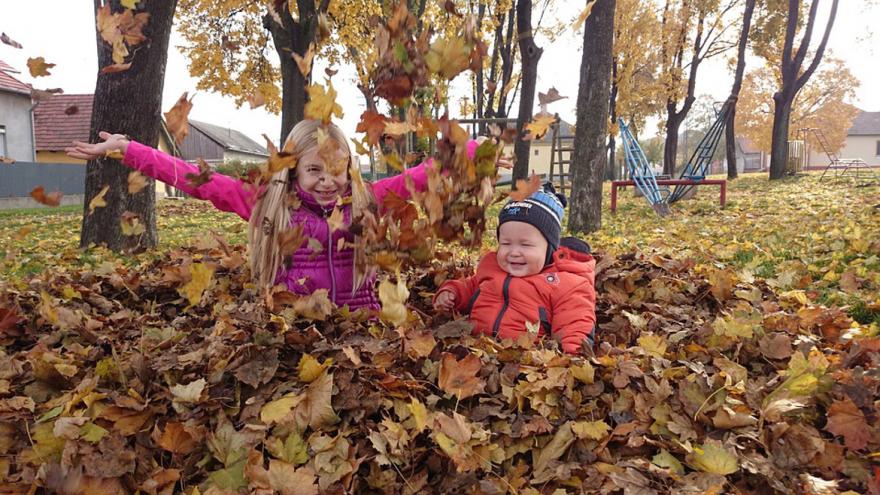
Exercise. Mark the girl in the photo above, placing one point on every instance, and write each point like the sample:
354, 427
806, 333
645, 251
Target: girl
318, 190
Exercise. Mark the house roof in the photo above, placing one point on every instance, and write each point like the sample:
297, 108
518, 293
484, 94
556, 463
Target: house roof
230, 139
865, 124
11, 84
747, 146
54, 129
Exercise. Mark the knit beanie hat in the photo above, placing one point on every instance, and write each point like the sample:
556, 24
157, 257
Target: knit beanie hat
543, 210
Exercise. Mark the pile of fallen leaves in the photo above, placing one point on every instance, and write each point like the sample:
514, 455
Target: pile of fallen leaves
175, 377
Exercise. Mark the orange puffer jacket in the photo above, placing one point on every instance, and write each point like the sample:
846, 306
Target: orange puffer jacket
561, 299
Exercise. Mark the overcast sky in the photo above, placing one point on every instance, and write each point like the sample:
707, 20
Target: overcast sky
63, 32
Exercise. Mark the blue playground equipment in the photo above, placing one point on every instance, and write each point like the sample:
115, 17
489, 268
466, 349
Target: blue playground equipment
694, 171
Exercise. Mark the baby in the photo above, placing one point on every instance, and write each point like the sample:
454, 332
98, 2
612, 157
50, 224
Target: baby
531, 283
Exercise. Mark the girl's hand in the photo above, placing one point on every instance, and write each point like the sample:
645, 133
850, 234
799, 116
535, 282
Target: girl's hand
504, 163
88, 151
445, 301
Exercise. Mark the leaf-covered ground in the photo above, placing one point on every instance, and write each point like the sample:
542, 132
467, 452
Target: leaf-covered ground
718, 371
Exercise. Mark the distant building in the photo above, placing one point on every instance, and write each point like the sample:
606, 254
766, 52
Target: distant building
16, 118
216, 145
748, 157
862, 142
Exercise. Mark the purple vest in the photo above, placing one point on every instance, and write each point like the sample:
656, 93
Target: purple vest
310, 269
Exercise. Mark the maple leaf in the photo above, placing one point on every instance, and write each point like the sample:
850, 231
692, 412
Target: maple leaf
525, 189
71, 110
175, 438
130, 224
9, 41
204, 175
393, 298
289, 240
136, 182
98, 201
200, 279
550, 96
115, 68
459, 377
280, 160
583, 15
336, 220
538, 127
176, 118
315, 306
304, 62
309, 369
38, 67
448, 56
322, 103
711, 458
847, 420
51, 199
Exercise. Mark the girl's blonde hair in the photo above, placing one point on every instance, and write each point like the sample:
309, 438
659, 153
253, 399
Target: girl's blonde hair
271, 213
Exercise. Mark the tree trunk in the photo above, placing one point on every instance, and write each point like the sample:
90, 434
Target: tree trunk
507, 56
730, 130
130, 103
670, 148
779, 143
530, 54
793, 78
611, 170
588, 159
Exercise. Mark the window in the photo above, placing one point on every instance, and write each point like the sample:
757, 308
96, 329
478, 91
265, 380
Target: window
2, 140
877, 153
536, 149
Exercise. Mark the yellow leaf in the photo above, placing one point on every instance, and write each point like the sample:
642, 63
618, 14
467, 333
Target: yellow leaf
654, 345
583, 16
393, 298
713, 459
38, 67
310, 369
136, 182
201, 274
322, 104
129, 4
539, 126
595, 430
189, 393
419, 413
278, 409
98, 201
583, 373
336, 220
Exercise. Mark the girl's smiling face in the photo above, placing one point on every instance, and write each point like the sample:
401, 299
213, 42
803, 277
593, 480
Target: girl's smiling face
314, 177
522, 249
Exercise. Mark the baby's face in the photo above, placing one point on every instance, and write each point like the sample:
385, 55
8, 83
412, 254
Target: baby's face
522, 249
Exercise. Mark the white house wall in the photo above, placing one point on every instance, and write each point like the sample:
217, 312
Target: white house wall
15, 116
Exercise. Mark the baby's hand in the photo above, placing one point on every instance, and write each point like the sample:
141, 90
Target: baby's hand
88, 151
504, 163
445, 301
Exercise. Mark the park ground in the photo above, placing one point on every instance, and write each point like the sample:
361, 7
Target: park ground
821, 237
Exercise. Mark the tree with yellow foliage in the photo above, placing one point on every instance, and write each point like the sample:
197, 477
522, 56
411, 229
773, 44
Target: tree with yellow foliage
822, 103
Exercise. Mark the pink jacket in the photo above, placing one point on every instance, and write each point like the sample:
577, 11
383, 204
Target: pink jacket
309, 270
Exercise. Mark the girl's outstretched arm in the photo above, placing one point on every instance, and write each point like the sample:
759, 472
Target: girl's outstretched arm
224, 192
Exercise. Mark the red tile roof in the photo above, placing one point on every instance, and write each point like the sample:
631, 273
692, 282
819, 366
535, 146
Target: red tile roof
11, 84
54, 129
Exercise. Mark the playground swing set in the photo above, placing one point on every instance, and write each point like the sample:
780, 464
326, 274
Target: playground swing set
799, 153
656, 190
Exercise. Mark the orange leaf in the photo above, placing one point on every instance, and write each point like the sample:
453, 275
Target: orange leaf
176, 118
538, 127
304, 62
525, 189
39, 67
112, 69
175, 439
136, 182
51, 199
98, 201
847, 420
460, 377
373, 124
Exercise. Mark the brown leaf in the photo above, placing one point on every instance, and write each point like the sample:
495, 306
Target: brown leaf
38, 67
176, 118
459, 377
98, 201
525, 189
51, 199
175, 439
304, 62
115, 68
9, 41
204, 175
136, 182
71, 110
847, 420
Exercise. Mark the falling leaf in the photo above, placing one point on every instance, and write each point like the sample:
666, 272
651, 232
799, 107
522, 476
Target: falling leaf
550, 96
257, 99
39, 67
204, 175
322, 103
336, 220
6, 160
176, 118
538, 127
304, 62
71, 110
448, 57
98, 201
583, 15
315, 306
51, 199
129, 4
459, 377
9, 41
130, 223
847, 420
136, 182
393, 298
525, 189
115, 68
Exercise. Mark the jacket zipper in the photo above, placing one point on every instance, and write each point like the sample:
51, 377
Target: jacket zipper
330, 259
504, 292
